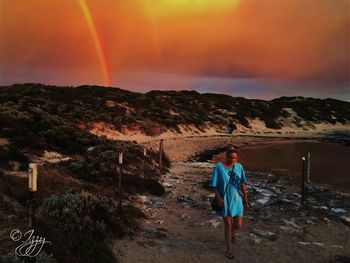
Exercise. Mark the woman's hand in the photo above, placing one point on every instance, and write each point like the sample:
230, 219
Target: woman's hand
218, 197
245, 204
220, 200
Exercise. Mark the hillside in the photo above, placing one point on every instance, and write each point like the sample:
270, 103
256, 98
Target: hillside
97, 109
78, 174
57, 127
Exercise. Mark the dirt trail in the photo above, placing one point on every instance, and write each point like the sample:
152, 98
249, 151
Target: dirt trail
187, 230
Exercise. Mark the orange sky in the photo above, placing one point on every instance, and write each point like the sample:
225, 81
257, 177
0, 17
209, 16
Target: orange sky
209, 45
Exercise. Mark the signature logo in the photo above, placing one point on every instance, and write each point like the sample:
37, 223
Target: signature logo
31, 245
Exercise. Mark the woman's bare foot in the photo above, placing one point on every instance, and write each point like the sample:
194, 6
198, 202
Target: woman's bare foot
229, 254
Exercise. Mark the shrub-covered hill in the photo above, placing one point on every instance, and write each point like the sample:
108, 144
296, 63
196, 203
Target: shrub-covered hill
80, 192
45, 107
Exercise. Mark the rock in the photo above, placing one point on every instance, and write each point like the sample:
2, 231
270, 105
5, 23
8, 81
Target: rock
289, 230
266, 234
304, 243
151, 229
342, 194
200, 164
185, 199
208, 197
146, 244
10, 217
157, 232
340, 259
276, 189
285, 201
273, 178
345, 220
311, 243
214, 223
193, 189
152, 202
318, 244
292, 224
263, 190
310, 222
175, 243
324, 207
254, 239
311, 200
263, 200
327, 220
15, 166
296, 195
338, 210
337, 246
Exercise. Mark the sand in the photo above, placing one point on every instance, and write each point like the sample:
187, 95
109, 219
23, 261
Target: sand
258, 129
178, 232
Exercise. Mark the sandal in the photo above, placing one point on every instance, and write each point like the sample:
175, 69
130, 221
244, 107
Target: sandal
229, 255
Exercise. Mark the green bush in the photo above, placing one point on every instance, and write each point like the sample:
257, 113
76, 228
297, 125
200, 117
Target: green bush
77, 225
94, 214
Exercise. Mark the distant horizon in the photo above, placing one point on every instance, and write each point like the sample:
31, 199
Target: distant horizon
169, 90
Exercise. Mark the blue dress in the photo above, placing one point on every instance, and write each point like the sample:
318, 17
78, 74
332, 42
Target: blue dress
233, 205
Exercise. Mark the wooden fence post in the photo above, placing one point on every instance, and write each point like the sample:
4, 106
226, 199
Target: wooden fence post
144, 167
308, 170
160, 153
120, 180
303, 181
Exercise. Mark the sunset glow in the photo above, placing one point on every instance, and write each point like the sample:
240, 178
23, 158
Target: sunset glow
253, 48
175, 7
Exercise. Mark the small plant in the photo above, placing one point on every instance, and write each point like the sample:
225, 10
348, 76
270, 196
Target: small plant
95, 214
77, 224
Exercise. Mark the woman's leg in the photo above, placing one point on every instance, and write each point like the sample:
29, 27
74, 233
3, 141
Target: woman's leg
228, 232
237, 223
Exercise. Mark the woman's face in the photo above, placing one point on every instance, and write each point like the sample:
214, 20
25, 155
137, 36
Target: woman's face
231, 158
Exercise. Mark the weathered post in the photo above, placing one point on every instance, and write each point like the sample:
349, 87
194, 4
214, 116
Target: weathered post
120, 179
303, 181
160, 153
32, 188
308, 160
144, 168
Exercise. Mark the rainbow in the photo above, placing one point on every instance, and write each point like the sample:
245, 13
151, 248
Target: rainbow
99, 47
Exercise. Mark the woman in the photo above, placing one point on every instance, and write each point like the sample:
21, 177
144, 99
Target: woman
230, 174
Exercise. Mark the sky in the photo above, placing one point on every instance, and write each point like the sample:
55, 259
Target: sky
250, 48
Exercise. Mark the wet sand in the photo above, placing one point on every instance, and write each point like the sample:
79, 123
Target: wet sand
329, 161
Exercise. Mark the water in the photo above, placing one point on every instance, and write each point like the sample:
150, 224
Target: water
330, 162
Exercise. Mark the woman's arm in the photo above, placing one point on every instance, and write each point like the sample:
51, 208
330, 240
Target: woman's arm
245, 196
218, 196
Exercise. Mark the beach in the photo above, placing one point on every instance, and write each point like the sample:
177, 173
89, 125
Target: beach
180, 225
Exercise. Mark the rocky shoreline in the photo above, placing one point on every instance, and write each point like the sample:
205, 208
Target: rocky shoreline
181, 226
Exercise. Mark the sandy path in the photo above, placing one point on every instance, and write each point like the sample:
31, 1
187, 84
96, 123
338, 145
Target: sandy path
179, 232
180, 148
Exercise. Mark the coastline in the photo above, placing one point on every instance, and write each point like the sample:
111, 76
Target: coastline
190, 147
180, 225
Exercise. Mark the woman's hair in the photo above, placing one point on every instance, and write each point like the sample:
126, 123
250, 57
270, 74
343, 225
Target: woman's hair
230, 150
